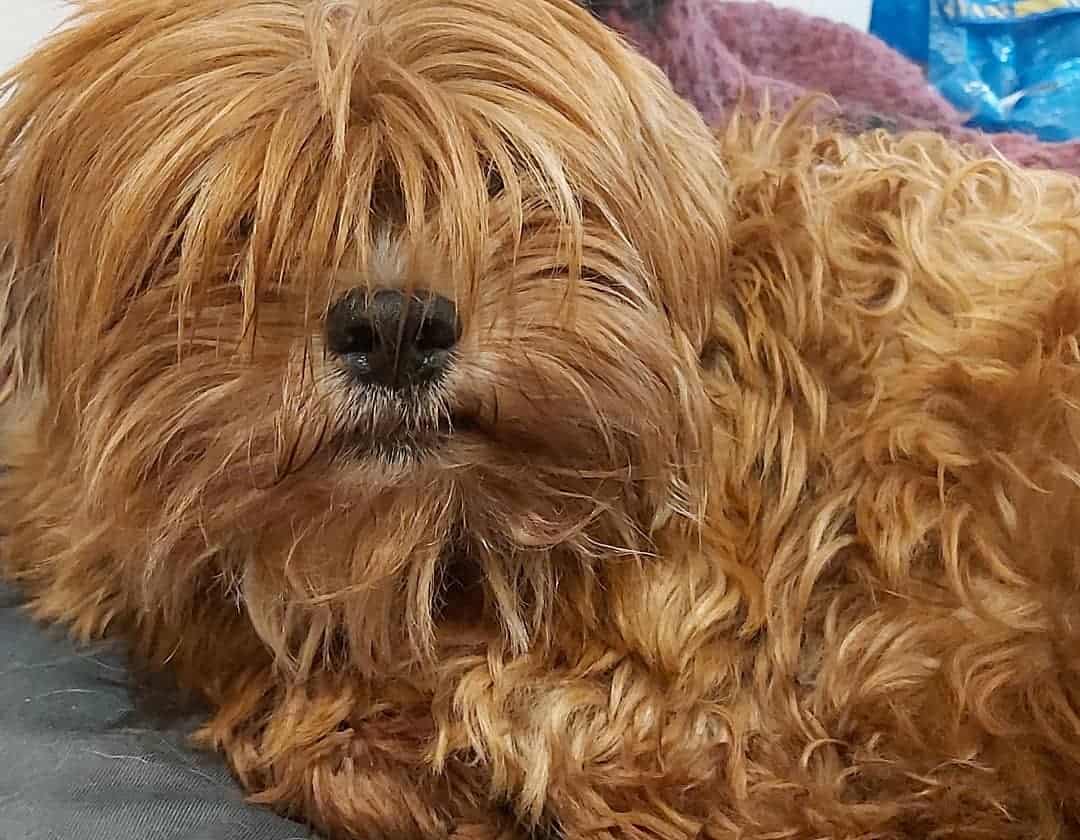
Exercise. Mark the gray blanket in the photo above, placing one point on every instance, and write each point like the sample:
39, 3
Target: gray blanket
84, 755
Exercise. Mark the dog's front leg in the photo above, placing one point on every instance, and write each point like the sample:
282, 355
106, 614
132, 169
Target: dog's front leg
351, 763
598, 751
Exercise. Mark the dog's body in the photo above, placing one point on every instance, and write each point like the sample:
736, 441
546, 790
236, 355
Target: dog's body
741, 502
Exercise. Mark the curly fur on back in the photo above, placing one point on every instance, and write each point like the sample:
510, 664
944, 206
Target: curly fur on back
749, 509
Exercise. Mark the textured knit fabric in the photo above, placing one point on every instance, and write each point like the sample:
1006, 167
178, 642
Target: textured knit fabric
718, 53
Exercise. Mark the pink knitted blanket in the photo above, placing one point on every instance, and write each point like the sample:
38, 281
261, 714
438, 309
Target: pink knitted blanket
718, 52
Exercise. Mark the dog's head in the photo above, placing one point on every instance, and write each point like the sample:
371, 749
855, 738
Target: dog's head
341, 304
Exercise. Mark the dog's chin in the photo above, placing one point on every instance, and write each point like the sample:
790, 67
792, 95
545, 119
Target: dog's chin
414, 445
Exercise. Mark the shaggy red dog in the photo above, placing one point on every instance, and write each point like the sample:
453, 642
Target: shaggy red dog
498, 451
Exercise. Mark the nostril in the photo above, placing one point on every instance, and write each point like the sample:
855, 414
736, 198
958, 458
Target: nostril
350, 329
435, 336
356, 338
364, 338
439, 328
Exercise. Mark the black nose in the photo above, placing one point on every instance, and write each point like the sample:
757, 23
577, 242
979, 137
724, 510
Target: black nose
392, 338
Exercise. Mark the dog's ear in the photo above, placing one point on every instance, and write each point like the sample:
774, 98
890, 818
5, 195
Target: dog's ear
22, 274
27, 231
23, 315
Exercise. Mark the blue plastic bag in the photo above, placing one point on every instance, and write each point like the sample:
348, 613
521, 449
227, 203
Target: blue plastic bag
904, 25
1012, 65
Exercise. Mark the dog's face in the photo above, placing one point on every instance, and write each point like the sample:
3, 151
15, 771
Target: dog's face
340, 305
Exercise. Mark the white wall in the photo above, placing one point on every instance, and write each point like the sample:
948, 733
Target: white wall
23, 22
852, 12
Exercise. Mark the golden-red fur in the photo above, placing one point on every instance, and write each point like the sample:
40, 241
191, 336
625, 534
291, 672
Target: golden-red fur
758, 519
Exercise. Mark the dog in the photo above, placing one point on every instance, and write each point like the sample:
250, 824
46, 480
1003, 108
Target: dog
499, 452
